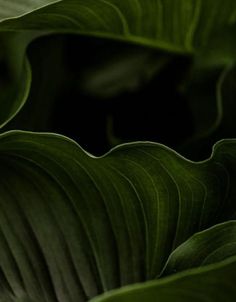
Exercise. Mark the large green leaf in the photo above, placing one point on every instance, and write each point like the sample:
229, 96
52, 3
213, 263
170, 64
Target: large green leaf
175, 25
117, 19
73, 226
212, 283
171, 24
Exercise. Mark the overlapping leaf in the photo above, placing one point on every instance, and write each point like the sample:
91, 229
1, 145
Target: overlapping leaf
212, 283
73, 226
189, 24
211, 246
118, 19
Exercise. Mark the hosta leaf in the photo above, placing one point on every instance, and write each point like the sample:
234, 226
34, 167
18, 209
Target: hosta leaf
73, 226
118, 19
174, 25
18, 8
214, 283
209, 246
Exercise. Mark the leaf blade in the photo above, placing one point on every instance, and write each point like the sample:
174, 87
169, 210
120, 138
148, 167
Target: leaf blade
88, 225
197, 284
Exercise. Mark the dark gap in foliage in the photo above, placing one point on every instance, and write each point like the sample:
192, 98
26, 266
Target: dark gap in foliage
158, 111
154, 110
101, 93
5, 74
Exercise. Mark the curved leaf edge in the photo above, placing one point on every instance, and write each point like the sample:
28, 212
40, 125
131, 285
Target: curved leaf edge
29, 12
128, 39
119, 147
17, 136
26, 90
171, 47
193, 240
129, 289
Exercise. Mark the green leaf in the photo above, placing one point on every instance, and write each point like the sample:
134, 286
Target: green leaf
189, 24
19, 8
15, 85
124, 20
213, 283
209, 246
73, 226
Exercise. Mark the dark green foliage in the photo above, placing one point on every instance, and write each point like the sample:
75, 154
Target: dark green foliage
142, 222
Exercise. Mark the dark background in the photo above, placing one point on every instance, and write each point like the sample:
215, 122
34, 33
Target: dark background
102, 93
